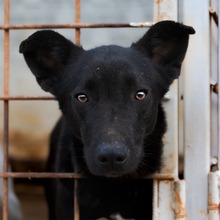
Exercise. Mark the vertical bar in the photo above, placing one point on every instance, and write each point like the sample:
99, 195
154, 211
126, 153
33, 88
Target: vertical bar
155, 199
165, 10
197, 109
180, 199
214, 97
168, 10
6, 109
77, 41
213, 198
165, 200
218, 5
77, 20
76, 204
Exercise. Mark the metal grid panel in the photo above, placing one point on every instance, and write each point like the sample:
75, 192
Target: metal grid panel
163, 11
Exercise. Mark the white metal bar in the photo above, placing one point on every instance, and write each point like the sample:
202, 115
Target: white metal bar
179, 192
155, 200
214, 79
213, 196
218, 11
167, 10
165, 200
197, 109
170, 154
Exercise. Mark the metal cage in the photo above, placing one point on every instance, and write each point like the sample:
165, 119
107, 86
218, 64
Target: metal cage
192, 113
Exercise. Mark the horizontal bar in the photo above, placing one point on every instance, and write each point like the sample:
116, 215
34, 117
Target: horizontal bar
30, 175
77, 25
21, 98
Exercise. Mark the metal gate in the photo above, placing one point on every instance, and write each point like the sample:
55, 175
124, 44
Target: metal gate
192, 107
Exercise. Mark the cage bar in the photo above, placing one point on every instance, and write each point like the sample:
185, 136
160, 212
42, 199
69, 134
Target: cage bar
76, 26
179, 194
27, 98
168, 10
77, 20
163, 182
197, 109
6, 109
213, 196
77, 41
30, 175
218, 78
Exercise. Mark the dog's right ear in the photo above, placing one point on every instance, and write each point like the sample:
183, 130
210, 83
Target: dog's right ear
46, 53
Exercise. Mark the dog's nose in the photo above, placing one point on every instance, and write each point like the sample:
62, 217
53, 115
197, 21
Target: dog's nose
111, 155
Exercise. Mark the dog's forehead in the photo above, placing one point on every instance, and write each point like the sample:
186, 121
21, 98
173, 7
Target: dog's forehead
112, 64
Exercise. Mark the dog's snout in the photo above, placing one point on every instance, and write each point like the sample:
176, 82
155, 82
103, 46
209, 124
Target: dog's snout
110, 155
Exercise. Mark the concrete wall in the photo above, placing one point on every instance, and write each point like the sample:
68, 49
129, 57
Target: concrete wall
31, 121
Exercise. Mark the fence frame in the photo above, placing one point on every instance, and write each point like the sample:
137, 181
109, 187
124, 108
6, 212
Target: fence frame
196, 105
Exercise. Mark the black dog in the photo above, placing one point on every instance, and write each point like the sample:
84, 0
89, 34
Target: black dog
113, 123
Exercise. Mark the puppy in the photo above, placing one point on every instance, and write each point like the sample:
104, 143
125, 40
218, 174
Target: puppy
112, 121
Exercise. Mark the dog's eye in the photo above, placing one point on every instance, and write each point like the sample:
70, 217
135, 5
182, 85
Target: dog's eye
82, 98
141, 95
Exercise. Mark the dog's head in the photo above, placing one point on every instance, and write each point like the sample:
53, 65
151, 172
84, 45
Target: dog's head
109, 95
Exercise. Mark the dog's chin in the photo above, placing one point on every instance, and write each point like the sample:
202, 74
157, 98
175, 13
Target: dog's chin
112, 173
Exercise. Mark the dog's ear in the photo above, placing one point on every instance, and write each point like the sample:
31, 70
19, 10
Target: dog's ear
46, 53
165, 44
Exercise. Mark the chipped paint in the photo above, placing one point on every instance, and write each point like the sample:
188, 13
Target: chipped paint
213, 196
140, 24
179, 193
165, 10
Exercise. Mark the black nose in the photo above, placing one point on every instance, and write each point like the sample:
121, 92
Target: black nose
111, 155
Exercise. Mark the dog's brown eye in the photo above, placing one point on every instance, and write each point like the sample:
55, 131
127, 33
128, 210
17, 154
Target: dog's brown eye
82, 98
141, 95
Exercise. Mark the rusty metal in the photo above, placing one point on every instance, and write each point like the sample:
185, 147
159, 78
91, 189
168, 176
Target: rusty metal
179, 190
213, 196
76, 26
77, 20
5, 159
31, 175
26, 98
71, 175
214, 15
6, 109
76, 204
77, 41
162, 176
163, 200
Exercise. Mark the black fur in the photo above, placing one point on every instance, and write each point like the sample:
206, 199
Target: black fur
112, 121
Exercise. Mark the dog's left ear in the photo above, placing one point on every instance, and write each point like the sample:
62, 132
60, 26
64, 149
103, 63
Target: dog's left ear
165, 44
47, 53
